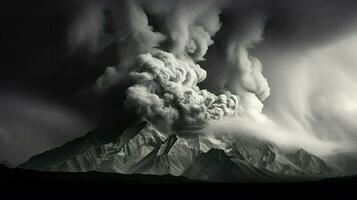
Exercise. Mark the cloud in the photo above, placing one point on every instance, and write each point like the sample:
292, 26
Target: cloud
87, 29
110, 77
162, 44
313, 92
248, 73
231, 129
136, 36
165, 82
190, 27
166, 88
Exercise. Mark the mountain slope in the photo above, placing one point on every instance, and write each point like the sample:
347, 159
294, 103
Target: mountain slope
21, 176
215, 165
265, 155
346, 163
142, 149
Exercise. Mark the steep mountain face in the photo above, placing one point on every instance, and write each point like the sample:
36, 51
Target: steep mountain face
345, 163
265, 155
216, 165
142, 149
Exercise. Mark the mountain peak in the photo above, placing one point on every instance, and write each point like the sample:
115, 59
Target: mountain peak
141, 148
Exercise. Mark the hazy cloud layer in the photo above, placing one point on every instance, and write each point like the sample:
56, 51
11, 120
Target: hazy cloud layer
315, 94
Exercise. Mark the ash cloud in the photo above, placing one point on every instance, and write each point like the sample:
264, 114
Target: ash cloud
166, 87
166, 76
247, 68
218, 43
190, 27
136, 36
314, 95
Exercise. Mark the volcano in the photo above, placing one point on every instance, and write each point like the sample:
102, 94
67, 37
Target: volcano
143, 149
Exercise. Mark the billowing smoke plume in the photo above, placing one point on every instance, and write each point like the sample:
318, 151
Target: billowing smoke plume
161, 47
248, 68
166, 81
166, 87
191, 26
136, 37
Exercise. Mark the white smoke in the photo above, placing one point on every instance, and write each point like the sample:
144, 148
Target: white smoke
165, 83
108, 79
316, 93
246, 79
166, 87
162, 63
190, 27
136, 37
314, 105
248, 69
165, 75
268, 130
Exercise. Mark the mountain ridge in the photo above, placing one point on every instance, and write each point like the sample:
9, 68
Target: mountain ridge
141, 148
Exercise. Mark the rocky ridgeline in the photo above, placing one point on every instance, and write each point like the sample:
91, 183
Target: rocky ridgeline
142, 149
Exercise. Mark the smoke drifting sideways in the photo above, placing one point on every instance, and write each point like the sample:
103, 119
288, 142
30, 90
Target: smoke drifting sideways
161, 44
313, 104
314, 96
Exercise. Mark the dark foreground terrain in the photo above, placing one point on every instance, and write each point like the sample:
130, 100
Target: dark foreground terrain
17, 175
22, 182
30, 176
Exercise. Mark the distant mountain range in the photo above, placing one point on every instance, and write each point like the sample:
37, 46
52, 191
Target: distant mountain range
142, 149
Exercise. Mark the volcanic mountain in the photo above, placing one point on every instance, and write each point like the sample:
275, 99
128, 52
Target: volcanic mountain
143, 149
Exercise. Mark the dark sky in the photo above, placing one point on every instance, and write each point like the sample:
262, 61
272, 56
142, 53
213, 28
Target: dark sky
41, 81
36, 52
41, 69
